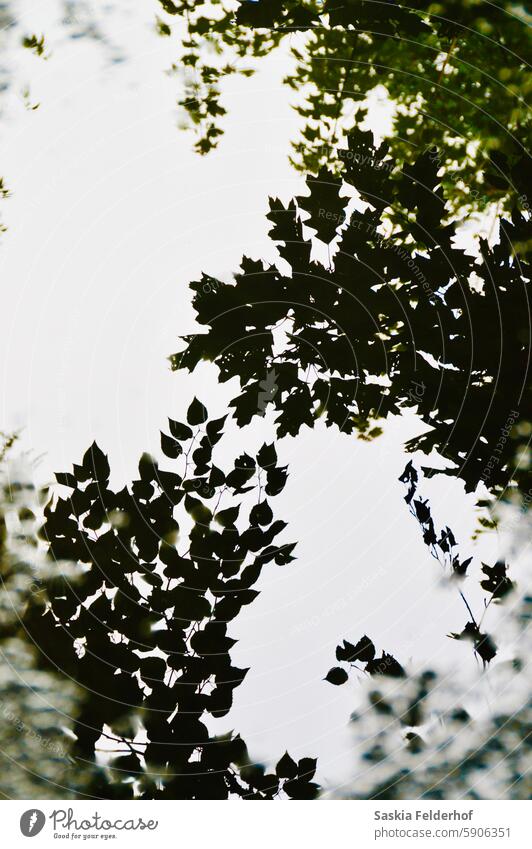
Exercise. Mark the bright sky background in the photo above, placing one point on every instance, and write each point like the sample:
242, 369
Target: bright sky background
112, 214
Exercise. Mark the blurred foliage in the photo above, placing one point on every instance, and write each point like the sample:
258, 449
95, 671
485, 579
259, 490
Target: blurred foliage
35, 43
400, 318
77, 20
35, 704
455, 73
415, 739
445, 735
360, 658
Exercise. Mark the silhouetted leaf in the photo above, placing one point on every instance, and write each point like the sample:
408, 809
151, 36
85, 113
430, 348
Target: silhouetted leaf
306, 768
95, 462
197, 413
179, 430
299, 789
227, 518
261, 514
385, 665
66, 479
324, 204
364, 651
497, 582
286, 767
267, 456
170, 447
336, 676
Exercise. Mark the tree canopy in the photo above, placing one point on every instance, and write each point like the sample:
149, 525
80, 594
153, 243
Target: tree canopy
400, 318
455, 73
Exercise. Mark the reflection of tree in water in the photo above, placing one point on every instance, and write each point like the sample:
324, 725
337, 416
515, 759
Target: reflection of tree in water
126, 637
455, 73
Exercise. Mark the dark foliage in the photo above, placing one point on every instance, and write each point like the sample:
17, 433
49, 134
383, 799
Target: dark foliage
444, 548
363, 653
143, 629
403, 321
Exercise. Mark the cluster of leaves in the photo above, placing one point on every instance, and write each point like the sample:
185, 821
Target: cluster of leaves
444, 548
212, 47
405, 320
456, 73
363, 653
142, 627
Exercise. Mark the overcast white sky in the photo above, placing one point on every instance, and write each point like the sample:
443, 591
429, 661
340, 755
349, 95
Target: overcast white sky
112, 214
